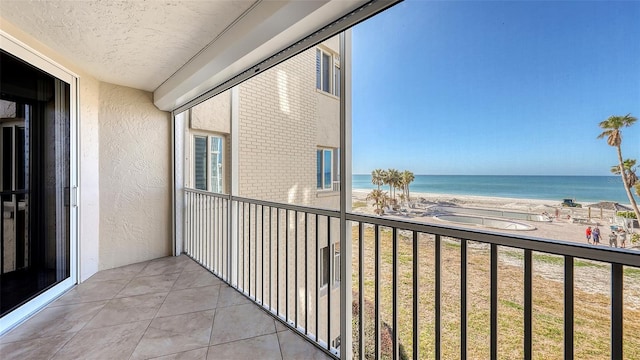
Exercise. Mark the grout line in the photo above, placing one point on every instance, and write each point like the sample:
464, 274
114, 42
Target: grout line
211, 331
140, 338
63, 345
180, 352
83, 326
130, 280
244, 339
279, 344
190, 312
96, 314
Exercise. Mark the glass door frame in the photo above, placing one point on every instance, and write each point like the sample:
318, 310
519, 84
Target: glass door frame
34, 58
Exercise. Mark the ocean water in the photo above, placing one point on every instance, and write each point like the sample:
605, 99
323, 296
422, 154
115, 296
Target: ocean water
581, 188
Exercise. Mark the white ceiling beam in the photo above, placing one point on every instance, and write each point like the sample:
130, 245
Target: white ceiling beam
267, 28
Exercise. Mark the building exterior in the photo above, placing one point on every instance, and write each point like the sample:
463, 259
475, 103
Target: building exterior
288, 123
285, 145
124, 161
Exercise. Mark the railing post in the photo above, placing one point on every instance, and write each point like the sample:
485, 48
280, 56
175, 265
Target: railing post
463, 298
528, 283
344, 185
568, 307
395, 341
494, 301
377, 291
438, 296
361, 288
233, 240
616, 312
416, 297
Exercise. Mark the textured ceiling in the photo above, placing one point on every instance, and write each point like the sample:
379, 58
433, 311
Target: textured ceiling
132, 43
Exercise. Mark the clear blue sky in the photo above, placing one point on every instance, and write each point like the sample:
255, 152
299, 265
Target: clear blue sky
500, 88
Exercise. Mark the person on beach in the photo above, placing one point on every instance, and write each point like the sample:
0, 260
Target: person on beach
622, 235
596, 235
613, 239
588, 233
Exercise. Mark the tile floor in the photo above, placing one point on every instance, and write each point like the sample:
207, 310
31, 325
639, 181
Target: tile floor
169, 308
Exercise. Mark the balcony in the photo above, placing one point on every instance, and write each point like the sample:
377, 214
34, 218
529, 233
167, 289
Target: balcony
472, 294
165, 307
270, 296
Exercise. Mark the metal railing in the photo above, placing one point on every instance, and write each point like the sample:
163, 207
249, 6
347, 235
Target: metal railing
276, 255
335, 186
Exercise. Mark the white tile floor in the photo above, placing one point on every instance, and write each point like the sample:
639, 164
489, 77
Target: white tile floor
169, 308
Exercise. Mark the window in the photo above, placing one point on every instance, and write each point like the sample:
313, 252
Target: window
324, 266
208, 163
200, 162
327, 272
324, 169
328, 169
327, 72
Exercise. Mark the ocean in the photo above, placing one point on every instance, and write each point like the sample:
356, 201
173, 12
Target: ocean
581, 188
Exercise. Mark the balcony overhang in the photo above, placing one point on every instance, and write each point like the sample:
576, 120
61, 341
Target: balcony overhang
264, 30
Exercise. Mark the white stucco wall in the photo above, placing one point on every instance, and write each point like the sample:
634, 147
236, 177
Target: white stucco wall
124, 156
135, 186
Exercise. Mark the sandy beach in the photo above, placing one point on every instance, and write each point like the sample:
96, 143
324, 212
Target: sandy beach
569, 225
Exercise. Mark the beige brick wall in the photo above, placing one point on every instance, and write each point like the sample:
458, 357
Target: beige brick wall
213, 114
277, 132
212, 117
282, 121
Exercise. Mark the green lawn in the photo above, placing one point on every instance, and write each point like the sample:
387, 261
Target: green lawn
592, 310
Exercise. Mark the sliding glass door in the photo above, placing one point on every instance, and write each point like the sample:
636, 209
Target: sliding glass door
35, 182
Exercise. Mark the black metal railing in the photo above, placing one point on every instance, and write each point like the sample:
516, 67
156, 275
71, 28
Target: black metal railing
282, 257
420, 233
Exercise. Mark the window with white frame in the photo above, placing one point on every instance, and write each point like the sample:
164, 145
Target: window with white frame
328, 72
208, 158
326, 168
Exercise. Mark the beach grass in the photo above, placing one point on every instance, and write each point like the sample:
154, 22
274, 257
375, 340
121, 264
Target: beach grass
591, 308
359, 205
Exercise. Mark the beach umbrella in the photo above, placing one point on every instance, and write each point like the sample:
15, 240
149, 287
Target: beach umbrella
610, 205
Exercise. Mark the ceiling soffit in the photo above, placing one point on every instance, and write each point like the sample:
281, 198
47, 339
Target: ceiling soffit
132, 43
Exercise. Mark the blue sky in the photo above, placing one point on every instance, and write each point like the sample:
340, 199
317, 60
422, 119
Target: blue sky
495, 88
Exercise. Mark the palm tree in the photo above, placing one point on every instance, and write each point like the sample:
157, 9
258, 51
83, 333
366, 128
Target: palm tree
406, 178
392, 179
377, 177
380, 199
612, 131
630, 169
